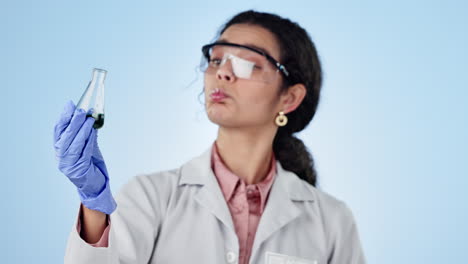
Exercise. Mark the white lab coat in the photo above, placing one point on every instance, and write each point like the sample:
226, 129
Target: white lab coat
180, 216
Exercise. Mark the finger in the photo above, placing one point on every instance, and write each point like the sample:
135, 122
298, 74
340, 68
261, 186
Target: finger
78, 143
64, 119
97, 153
90, 111
65, 139
90, 143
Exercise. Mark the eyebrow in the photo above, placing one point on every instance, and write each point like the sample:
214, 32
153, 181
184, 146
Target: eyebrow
247, 44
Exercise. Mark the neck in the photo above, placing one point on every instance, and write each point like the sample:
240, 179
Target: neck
246, 153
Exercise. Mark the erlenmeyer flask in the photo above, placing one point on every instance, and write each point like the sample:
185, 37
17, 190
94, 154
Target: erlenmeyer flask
93, 98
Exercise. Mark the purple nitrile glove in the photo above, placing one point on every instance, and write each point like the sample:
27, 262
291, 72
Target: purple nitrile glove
79, 158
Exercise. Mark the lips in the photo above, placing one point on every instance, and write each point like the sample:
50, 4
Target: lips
217, 94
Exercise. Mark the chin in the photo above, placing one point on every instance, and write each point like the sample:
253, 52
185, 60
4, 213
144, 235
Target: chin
215, 119
218, 119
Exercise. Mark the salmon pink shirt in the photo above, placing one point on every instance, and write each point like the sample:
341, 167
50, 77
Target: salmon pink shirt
246, 203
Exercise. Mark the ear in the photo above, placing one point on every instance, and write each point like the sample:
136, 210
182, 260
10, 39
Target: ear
292, 98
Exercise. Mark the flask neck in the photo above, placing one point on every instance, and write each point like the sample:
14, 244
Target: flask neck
99, 75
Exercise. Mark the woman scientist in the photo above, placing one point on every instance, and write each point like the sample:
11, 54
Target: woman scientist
250, 197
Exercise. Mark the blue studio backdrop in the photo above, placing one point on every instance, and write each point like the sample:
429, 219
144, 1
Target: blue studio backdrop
389, 137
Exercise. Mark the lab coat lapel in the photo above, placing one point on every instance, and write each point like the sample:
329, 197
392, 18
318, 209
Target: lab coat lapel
198, 171
280, 209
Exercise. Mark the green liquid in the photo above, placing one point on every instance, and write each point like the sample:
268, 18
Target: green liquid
99, 121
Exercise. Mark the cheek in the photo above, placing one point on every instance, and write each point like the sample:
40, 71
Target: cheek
206, 88
259, 105
259, 97
205, 83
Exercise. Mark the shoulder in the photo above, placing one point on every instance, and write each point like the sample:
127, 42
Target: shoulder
164, 183
335, 213
334, 210
152, 182
148, 192
337, 216
331, 205
327, 205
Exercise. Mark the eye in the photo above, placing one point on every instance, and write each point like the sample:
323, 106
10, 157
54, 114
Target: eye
214, 62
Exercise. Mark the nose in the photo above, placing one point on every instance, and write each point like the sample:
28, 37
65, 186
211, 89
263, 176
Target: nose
225, 72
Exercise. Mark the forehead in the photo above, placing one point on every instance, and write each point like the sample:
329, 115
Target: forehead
254, 36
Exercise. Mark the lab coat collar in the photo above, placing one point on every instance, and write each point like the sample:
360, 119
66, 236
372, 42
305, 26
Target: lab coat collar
279, 211
198, 171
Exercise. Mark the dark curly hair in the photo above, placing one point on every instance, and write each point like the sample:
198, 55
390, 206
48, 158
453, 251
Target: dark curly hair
298, 54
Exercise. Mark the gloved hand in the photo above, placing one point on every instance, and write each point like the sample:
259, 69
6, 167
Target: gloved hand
79, 158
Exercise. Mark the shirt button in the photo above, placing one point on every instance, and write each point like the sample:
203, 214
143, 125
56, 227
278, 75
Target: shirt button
231, 257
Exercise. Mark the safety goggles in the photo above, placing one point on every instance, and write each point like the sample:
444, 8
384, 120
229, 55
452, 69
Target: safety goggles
245, 62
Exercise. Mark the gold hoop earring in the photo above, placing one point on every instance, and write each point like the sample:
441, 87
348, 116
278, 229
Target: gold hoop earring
281, 119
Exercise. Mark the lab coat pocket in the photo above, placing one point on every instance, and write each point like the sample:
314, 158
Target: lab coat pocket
276, 258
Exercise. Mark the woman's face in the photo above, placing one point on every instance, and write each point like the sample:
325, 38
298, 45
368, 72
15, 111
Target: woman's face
250, 103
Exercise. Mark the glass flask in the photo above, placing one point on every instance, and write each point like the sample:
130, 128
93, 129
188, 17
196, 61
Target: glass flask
93, 98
